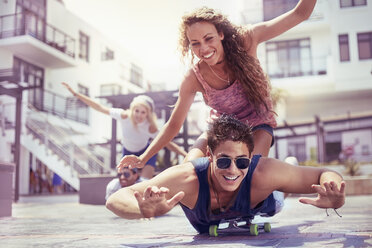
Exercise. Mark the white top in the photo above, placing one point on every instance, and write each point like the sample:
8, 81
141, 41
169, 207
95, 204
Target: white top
133, 139
114, 185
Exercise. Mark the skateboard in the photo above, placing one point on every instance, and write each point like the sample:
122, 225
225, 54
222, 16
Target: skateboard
238, 225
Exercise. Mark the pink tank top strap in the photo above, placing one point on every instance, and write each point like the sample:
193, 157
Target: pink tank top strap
200, 77
202, 81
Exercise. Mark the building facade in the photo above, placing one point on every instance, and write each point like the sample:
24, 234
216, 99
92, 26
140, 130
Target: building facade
41, 45
323, 69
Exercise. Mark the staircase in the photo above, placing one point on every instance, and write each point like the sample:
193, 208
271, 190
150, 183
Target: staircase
55, 148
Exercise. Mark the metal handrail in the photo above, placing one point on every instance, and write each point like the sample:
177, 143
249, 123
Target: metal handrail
57, 149
56, 144
9, 73
65, 154
16, 25
65, 107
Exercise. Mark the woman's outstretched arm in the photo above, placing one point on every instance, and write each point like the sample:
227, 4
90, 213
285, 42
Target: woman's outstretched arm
267, 30
87, 100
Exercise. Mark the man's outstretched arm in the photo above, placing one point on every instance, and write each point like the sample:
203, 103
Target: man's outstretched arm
153, 197
151, 202
124, 204
331, 191
307, 180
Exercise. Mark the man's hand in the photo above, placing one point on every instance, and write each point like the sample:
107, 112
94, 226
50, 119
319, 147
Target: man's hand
130, 161
329, 196
154, 203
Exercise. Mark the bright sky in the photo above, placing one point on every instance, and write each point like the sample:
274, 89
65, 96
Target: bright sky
148, 29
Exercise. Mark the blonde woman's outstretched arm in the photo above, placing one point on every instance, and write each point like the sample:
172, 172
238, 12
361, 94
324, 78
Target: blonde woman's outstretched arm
87, 100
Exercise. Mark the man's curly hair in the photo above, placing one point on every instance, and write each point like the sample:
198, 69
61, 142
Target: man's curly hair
226, 128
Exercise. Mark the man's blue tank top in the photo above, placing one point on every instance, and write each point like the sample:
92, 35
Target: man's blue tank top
201, 217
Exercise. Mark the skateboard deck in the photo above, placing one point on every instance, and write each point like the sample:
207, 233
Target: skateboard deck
237, 226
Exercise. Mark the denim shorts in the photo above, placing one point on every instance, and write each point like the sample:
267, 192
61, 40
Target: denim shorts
268, 129
152, 160
273, 204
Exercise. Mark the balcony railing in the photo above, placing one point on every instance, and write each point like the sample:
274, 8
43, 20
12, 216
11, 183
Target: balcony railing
297, 68
10, 75
26, 24
65, 107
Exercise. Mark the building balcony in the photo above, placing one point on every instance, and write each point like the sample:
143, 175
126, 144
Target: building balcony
33, 39
65, 107
11, 83
269, 9
303, 76
9, 75
300, 67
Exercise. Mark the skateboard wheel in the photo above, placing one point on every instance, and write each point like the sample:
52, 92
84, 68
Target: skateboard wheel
213, 230
267, 227
253, 229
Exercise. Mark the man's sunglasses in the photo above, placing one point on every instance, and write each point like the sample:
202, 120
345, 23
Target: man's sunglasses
225, 162
125, 174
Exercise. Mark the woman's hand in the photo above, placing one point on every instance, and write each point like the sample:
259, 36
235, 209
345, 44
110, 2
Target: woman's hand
69, 88
213, 115
130, 161
329, 195
154, 203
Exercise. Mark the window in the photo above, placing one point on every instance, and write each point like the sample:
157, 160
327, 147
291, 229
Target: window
38, 7
343, 42
83, 90
123, 72
365, 45
365, 150
110, 89
352, 3
34, 77
297, 148
82, 107
289, 58
274, 8
136, 75
32, 15
108, 54
84, 46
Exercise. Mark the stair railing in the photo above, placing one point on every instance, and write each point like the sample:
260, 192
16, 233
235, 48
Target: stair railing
60, 143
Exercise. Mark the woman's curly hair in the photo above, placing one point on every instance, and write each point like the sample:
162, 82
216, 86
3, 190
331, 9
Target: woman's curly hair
246, 68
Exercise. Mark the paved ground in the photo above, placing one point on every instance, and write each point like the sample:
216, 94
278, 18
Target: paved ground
60, 221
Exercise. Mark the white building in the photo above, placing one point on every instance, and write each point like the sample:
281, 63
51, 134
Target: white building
41, 45
324, 67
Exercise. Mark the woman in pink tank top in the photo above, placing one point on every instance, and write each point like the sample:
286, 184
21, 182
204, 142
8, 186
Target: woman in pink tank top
227, 73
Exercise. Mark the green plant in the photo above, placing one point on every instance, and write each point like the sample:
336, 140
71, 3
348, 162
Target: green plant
310, 163
278, 95
351, 167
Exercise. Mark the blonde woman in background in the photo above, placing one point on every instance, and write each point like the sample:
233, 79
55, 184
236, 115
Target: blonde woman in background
138, 125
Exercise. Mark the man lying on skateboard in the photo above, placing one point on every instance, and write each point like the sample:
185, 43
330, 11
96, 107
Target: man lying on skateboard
227, 183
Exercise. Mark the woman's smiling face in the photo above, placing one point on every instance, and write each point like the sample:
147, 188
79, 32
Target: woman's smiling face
139, 113
205, 42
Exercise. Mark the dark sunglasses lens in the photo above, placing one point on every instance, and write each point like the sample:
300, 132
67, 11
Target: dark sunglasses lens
125, 174
223, 163
242, 163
